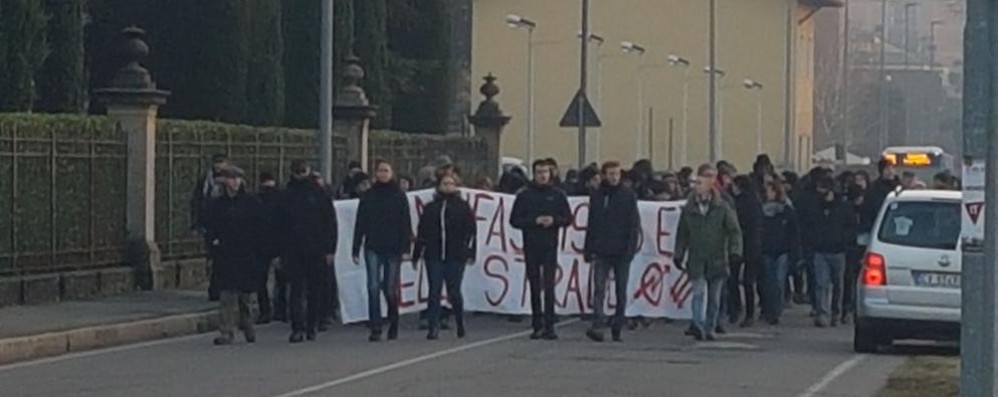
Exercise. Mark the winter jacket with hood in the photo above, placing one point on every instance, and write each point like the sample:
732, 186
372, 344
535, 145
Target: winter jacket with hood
831, 229
749, 210
383, 222
708, 236
447, 231
780, 231
614, 223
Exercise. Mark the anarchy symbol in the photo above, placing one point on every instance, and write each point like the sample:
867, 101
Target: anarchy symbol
650, 287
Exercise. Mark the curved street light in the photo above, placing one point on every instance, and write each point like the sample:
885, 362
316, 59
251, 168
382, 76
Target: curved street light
756, 86
519, 22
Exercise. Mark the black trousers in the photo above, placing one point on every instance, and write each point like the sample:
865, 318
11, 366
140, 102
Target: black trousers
541, 267
621, 271
854, 259
744, 278
282, 282
331, 297
263, 289
307, 282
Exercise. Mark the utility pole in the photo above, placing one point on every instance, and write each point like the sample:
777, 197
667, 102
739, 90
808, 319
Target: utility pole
583, 70
326, 94
846, 65
980, 250
884, 119
712, 51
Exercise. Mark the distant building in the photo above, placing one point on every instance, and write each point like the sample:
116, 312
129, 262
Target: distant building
752, 44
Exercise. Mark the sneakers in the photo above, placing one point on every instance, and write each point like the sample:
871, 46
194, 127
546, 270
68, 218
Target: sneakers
720, 330
393, 332
820, 322
310, 336
374, 337
433, 334
460, 329
250, 335
594, 335
549, 335
537, 334
297, 337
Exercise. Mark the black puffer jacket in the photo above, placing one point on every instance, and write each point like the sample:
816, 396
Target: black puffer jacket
749, 209
234, 228
831, 229
447, 231
780, 231
875, 196
307, 219
536, 201
613, 224
383, 221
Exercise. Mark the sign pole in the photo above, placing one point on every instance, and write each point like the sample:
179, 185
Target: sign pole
980, 168
583, 70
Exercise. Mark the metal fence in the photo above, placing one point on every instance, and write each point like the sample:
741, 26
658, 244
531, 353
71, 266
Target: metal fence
62, 181
62, 193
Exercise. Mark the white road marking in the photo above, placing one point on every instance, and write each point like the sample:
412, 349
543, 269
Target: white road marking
835, 373
412, 361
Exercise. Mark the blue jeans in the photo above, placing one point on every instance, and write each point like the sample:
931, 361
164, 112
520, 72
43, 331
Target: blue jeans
775, 270
828, 276
708, 290
450, 273
382, 277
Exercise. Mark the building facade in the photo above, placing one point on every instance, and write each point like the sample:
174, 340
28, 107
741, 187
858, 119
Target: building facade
639, 98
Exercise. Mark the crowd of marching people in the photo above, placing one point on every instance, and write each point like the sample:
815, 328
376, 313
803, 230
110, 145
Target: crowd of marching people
758, 241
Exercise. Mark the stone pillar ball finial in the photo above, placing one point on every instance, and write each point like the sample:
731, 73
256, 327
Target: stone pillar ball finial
135, 49
489, 89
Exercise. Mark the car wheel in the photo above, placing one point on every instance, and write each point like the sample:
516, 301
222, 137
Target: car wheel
865, 341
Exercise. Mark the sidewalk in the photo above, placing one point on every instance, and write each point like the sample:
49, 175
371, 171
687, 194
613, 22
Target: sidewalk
32, 332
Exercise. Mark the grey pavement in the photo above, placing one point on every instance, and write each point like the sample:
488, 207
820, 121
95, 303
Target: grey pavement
18, 321
497, 359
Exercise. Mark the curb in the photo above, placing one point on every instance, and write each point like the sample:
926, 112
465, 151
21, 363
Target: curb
51, 344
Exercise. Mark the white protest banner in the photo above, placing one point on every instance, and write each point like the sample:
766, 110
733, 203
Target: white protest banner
497, 282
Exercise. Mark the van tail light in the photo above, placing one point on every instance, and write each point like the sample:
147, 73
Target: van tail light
874, 269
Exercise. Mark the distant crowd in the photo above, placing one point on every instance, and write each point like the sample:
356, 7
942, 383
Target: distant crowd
759, 240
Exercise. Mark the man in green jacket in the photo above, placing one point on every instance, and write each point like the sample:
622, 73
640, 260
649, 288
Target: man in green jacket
708, 239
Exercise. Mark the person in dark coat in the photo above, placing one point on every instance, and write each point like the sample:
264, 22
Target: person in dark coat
347, 189
234, 225
207, 188
877, 193
854, 257
746, 274
269, 196
447, 239
611, 242
309, 234
830, 232
384, 230
540, 212
780, 248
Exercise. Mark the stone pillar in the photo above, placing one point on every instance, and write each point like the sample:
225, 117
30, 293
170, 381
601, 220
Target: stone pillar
489, 122
352, 114
132, 101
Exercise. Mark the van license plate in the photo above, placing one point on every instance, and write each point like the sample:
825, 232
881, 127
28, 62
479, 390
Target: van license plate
937, 280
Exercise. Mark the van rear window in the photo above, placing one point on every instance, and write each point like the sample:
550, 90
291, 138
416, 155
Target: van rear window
922, 224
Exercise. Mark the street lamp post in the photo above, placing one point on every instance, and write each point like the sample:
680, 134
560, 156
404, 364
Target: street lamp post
629, 47
684, 63
932, 42
753, 85
717, 143
519, 22
907, 23
882, 137
326, 93
598, 41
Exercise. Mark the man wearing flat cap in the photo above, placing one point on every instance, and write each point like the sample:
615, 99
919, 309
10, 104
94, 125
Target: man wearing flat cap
233, 228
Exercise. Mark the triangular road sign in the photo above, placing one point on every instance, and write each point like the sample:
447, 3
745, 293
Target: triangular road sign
571, 117
974, 211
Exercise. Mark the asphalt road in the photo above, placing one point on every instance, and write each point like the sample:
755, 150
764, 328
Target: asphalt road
497, 359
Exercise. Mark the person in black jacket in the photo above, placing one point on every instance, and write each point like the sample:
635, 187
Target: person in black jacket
384, 229
309, 232
746, 273
611, 242
447, 239
208, 187
540, 212
877, 193
830, 233
780, 248
233, 224
269, 196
